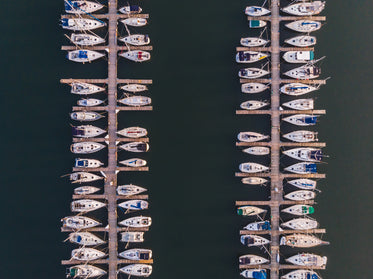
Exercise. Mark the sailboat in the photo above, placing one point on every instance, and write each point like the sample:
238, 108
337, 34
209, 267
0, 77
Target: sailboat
301, 224
85, 239
136, 39
137, 222
256, 11
141, 270
254, 273
134, 87
308, 154
86, 190
252, 260
129, 190
258, 226
133, 132
86, 39
87, 163
305, 9
299, 56
83, 88
251, 136
136, 55
300, 104
90, 102
79, 222
301, 119
307, 259
136, 254
299, 209
253, 105
253, 87
250, 210
257, 150
81, 24
253, 42
132, 237
302, 41
305, 26
86, 254
86, 147
85, 116
296, 89
84, 271
136, 101
81, 7
252, 73
135, 146
301, 136
134, 162
252, 167
83, 56
301, 274
300, 195
301, 241
86, 205
250, 240
254, 180
130, 9
304, 72
303, 183
302, 168
253, 23
250, 56
79, 177
86, 131
134, 205
135, 21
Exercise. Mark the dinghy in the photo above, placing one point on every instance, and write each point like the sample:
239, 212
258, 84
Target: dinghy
252, 260
252, 73
250, 210
250, 240
300, 224
83, 56
302, 168
253, 87
305, 26
136, 55
86, 39
79, 177
133, 132
303, 183
301, 274
302, 41
86, 254
299, 56
258, 226
134, 87
82, 88
86, 205
81, 24
254, 273
251, 137
302, 136
299, 210
256, 11
301, 241
254, 180
88, 163
86, 190
253, 42
136, 101
79, 222
90, 102
135, 146
136, 40
85, 116
86, 147
132, 237
84, 271
301, 119
130, 10
257, 23
305, 154
250, 56
136, 254
305, 9
134, 205
300, 104
296, 89
141, 270
137, 222
134, 162
253, 105
300, 195
304, 72
129, 190
257, 150
81, 7
85, 239
135, 21
252, 167
86, 131
307, 259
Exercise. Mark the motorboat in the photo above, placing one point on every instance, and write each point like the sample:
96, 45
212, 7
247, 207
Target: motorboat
252, 73
86, 254
81, 24
254, 180
135, 21
251, 137
136, 254
79, 222
86, 39
302, 136
135, 146
82, 88
84, 271
299, 209
136, 40
253, 105
258, 226
297, 89
133, 132
253, 87
134, 87
140, 270
305, 26
85, 116
253, 42
308, 154
300, 195
132, 237
134, 162
302, 41
301, 224
134, 205
86, 190
81, 7
86, 131
130, 9
307, 259
80, 177
252, 167
137, 222
300, 104
303, 183
88, 163
257, 150
252, 260
250, 210
302, 168
86, 205
250, 56
136, 55
304, 72
253, 23
299, 56
86, 147
301, 274
254, 273
305, 9
136, 101
85, 239
90, 102
84, 55
301, 241
301, 119
256, 11
130, 190
250, 240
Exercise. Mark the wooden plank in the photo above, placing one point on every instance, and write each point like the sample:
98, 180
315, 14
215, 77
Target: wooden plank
285, 144
104, 197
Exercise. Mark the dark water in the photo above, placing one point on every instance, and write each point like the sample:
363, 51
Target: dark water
192, 129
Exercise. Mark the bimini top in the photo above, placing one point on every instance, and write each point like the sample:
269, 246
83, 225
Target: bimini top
69, 5
77, 131
255, 23
135, 8
310, 119
312, 276
261, 274
65, 22
81, 54
266, 226
310, 168
316, 155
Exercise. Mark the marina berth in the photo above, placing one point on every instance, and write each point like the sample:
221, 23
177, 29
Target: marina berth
85, 239
80, 177
301, 119
301, 136
256, 11
308, 154
303, 183
86, 147
304, 72
250, 240
253, 87
88, 163
135, 21
86, 254
254, 180
302, 168
83, 56
136, 254
297, 89
134, 205
305, 26
90, 102
299, 56
301, 241
130, 190
253, 105
301, 274
133, 132
81, 7
82, 88
86, 190
257, 23
250, 56
134, 162
130, 237
130, 9
136, 55
79, 222
86, 205
86, 131
300, 224
81, 24
253, 42
302, 41
252, 260
299, 210
252, 73
85, 116
86, 39
134, 87
307, 259
250, 210
254, 273
135, 146
257, 150
251, 137
300, 104
252, 167
136, 40
305, 8
136, 101
141, 270
300, 195
137, 222
84, 271
258, 226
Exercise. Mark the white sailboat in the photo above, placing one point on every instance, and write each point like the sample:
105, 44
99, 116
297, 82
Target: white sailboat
130, 9
132, 237
137, 222
141, 270
300, 195
257, 150
88, 163
81, 24
136, 39
90, 102
252, 167
250, 240
253, 42
252, 260
79, 222
300, 104
301, 119
253, 23
134, 87
305, 9
254, 273
85, 116
304, 72
87, 131
130, 190
81, 7
134, 162
301, 274
86, 205
305, 26
301, 224
86, 190
302, 41
135, 101
258, 226
307, 259
303, 183
133, 132
252, 73
301, 136
253, 105
251, 136
135, 146
136, 254
134, 205
296, 89
136, 55
299, 56
254, 180
256, 11
85, 239
299, 210
79, 177
250, 56
86, 39
84, 271
250, 210
83, 88
86, 147
302, 241
84, 55
253, 87
135, 21
86, 254
302, 168
308, 154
